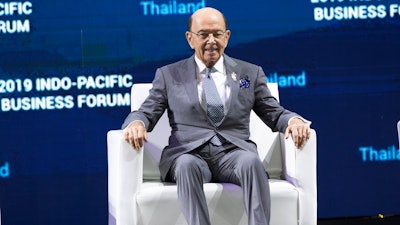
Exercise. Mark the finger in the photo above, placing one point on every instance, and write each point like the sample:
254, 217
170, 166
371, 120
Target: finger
302, 136
138, 143
140, 137
126, 136
130, 135
137, 140
306, 133
287, 132
301, 142
295, 136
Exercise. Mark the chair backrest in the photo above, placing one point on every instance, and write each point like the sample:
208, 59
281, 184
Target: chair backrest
266, 140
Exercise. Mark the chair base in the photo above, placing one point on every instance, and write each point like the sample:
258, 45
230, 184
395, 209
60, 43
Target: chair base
157, 203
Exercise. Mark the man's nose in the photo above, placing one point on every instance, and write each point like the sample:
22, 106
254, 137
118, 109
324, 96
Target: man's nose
211, 38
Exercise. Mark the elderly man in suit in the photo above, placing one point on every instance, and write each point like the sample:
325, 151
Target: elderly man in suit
208, 98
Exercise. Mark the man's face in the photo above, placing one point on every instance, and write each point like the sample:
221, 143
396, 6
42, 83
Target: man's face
208, 36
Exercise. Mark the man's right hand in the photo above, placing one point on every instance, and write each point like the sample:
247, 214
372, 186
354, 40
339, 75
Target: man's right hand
135, 134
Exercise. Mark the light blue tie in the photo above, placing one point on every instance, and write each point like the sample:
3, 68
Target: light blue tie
215, 107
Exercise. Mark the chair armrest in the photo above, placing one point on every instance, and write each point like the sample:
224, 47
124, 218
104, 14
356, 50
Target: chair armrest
125, 176
398, 131
300, 167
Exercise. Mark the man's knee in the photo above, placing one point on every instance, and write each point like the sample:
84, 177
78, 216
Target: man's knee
186, 162
190, 166
251, 162
250, 158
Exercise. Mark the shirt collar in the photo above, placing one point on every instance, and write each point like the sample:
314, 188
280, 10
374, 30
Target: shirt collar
219, 66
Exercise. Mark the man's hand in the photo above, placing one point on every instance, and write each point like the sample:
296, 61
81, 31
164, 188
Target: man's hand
299, 130
135, 134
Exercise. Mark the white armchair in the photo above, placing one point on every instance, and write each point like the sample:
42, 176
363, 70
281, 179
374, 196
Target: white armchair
398, 131
136, 196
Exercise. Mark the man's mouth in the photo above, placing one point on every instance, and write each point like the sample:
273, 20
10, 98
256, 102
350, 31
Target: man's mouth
211, 50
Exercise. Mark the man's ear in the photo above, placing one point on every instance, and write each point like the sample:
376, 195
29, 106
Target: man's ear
189, 39
228, 35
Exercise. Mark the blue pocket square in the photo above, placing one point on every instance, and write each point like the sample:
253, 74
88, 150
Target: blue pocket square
244, 83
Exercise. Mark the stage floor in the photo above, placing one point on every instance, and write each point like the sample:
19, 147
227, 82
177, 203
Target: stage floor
388, 220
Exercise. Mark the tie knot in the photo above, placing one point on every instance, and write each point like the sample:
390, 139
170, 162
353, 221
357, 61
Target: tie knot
209, 70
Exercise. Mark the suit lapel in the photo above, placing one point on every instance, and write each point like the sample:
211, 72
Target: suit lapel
189, 80
233, 75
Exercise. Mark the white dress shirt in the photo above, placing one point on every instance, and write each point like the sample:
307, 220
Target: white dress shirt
219, 76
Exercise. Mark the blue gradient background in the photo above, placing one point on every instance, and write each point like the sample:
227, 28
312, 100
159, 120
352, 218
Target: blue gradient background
58, 160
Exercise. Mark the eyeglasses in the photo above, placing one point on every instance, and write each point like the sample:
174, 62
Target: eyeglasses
206, 35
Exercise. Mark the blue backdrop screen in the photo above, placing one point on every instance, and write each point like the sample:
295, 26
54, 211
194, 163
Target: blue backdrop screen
66, 68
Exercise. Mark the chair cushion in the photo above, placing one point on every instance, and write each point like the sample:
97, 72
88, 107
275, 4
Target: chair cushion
157, 203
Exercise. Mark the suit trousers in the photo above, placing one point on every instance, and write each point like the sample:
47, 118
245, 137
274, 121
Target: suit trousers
221, 164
